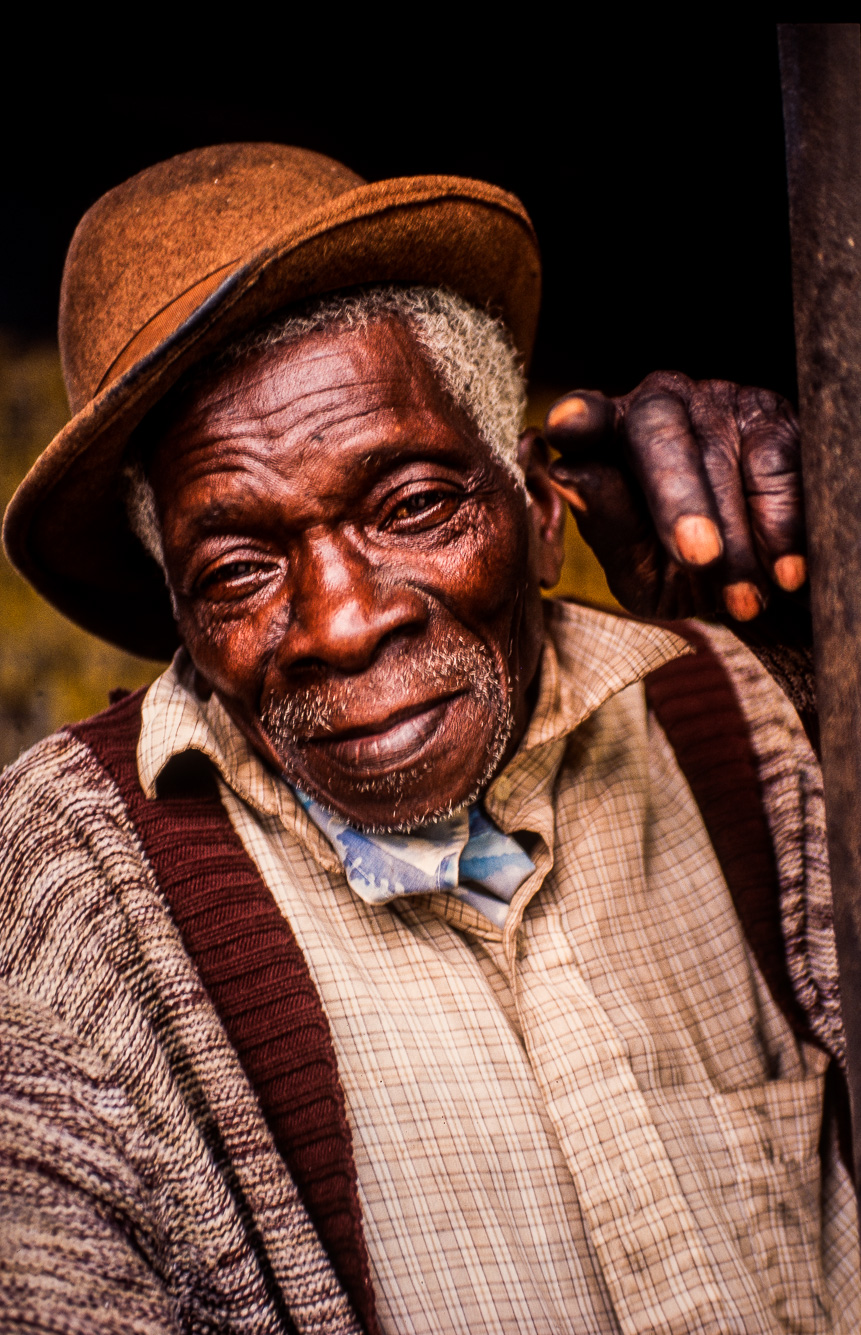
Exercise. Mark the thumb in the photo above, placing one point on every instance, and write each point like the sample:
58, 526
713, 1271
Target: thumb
580, 421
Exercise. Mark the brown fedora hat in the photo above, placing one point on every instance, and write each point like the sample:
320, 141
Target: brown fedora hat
186, 256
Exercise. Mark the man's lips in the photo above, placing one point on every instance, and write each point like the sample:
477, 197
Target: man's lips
383, 744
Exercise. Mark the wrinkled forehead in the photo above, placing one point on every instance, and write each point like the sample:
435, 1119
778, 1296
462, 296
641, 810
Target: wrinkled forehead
310, 383
327, 416
378, 362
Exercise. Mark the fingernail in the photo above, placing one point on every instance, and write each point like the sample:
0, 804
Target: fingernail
743, 600
697, 540
568, 412
790, 572
572, 496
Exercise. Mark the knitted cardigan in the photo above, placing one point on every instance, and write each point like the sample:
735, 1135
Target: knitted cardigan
175, 1144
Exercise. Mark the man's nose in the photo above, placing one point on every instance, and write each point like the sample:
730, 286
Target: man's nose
345, 606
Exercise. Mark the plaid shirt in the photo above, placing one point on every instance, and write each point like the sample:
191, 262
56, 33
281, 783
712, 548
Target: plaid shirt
595, 1118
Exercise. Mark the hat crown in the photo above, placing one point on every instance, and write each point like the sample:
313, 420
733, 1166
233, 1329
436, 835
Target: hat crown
159, 234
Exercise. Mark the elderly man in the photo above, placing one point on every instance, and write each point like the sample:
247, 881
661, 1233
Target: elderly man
413, 955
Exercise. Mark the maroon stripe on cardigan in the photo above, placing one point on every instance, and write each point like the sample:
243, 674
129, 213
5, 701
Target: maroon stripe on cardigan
253, 970
695, 702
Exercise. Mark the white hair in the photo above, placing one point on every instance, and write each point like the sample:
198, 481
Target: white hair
470, 351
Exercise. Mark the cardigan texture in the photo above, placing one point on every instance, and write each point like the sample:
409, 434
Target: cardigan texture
257, 979
175, 1148
143, 1188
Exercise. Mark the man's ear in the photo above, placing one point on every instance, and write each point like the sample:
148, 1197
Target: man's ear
547, 509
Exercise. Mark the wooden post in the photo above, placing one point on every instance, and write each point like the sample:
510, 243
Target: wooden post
821, 77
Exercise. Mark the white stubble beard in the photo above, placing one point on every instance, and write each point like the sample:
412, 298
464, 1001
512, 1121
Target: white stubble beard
286, 720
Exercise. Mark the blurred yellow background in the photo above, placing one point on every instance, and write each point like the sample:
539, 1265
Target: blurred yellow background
50, 671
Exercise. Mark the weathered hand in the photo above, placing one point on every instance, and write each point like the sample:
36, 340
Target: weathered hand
689, 493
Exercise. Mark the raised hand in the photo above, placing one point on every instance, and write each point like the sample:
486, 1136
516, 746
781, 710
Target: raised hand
689, 493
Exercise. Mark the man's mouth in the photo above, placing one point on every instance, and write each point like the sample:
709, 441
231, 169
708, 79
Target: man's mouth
388, 742
417, 735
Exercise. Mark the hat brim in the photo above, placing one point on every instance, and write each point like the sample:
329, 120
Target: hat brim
66, 529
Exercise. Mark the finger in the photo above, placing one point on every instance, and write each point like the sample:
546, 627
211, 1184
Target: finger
791, 572
567, 489
581, 426
771, 465
618, 529
580, 421
743, 581
665, 457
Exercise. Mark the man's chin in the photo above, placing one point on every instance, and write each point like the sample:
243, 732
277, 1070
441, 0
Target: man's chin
389, 803
399, 798
427, 757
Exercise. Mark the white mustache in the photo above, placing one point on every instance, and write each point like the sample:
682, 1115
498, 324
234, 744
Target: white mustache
317, 709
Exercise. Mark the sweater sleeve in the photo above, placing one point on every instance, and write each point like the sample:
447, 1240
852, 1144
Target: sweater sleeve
791, 789
147, 1191
72, 1259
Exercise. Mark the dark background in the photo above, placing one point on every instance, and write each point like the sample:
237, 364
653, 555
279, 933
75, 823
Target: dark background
650, 156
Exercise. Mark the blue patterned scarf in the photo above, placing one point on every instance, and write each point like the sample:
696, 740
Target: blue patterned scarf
466, 855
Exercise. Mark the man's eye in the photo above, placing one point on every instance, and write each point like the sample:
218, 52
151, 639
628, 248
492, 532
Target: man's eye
432, 506
233, 573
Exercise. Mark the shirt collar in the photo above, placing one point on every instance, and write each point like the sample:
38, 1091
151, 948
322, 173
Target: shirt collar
588, 656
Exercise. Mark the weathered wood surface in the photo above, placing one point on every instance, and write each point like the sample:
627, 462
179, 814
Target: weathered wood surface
821, 77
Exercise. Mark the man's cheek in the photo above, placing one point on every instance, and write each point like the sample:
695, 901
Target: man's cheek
226, 651
489, 568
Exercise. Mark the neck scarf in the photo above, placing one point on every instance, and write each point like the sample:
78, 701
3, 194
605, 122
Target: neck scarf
465, 855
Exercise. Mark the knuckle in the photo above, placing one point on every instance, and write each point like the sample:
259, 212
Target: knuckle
771, 453
714, 416
674, 383
655, 417
758, 407
722, 393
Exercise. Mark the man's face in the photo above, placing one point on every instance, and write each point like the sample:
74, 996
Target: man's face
356, 575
